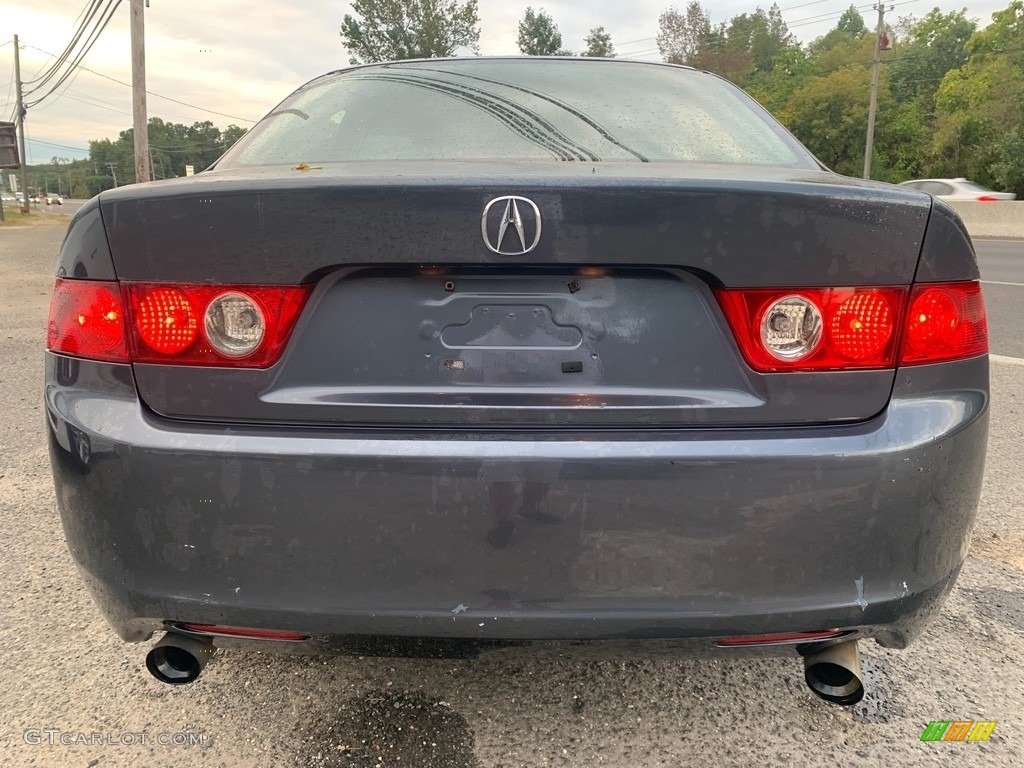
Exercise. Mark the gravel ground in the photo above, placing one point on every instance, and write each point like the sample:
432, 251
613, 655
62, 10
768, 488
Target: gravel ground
64, 669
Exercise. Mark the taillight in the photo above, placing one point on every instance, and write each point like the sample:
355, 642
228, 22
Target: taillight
237, 325
987, 199
87, 320
808, 329
217, 325
945, 322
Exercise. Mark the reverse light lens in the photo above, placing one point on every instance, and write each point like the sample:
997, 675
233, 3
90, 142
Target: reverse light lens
791, 328
945, 322
166, 321
87, 320
234, 324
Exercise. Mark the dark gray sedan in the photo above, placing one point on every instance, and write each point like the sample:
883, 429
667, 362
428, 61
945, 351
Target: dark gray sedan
448, 355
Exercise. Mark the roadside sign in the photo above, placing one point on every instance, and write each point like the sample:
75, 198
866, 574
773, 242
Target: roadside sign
190, 170
8, 146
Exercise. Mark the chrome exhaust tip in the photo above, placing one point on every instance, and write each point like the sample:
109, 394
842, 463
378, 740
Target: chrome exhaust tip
179, 659
833, 673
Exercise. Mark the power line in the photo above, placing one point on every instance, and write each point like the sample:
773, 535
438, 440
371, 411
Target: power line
67, 95
112, 5
641, 40
803, 5
10, 86
58, 146
151, 93
825, 16
92, 8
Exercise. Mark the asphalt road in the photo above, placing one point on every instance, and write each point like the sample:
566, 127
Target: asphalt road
1002, 274
64, 669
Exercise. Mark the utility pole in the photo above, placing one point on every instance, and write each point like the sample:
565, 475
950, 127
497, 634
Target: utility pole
139, 118
20, 111
869, 146
113, 172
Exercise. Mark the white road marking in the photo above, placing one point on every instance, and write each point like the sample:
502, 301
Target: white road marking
1006, 360
997, 282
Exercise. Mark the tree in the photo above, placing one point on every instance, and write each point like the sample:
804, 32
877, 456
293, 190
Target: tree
682, 35
599, 43
230, 135
829, 115
390, 30
769, 36
539, 35
934, 45
980, 106
852, 23
847, 31
748, 44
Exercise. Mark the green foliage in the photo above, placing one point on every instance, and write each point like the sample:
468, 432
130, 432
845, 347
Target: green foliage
829, 115
389, 30
980, 106
172, 147
539, 35
851, 23
950, 97
738, 50
599, 43
681, 35
937, 43
846, 34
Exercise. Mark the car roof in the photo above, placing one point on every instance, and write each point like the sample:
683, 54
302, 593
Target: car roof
469, 59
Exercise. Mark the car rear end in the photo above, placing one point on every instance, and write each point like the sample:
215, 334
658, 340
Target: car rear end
718, 405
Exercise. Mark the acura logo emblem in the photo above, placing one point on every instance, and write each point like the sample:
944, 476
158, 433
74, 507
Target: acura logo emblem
516, 231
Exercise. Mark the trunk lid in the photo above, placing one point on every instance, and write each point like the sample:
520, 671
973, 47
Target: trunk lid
609, 321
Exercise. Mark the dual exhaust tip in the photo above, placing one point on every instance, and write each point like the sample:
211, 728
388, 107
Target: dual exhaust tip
833, 673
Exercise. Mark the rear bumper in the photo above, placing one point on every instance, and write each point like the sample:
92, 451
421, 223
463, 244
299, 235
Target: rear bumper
530, 535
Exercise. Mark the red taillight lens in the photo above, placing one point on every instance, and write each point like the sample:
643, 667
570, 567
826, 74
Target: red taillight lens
87, 320
988, 199
171, 324
862, 326
945, 322
858, 326
165, 320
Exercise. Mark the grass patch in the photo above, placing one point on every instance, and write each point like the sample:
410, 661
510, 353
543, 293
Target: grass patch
13, 217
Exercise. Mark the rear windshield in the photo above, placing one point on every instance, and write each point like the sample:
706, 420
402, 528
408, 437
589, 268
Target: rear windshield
518, 109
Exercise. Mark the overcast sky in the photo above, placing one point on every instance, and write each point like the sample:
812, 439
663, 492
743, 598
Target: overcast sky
241, 57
